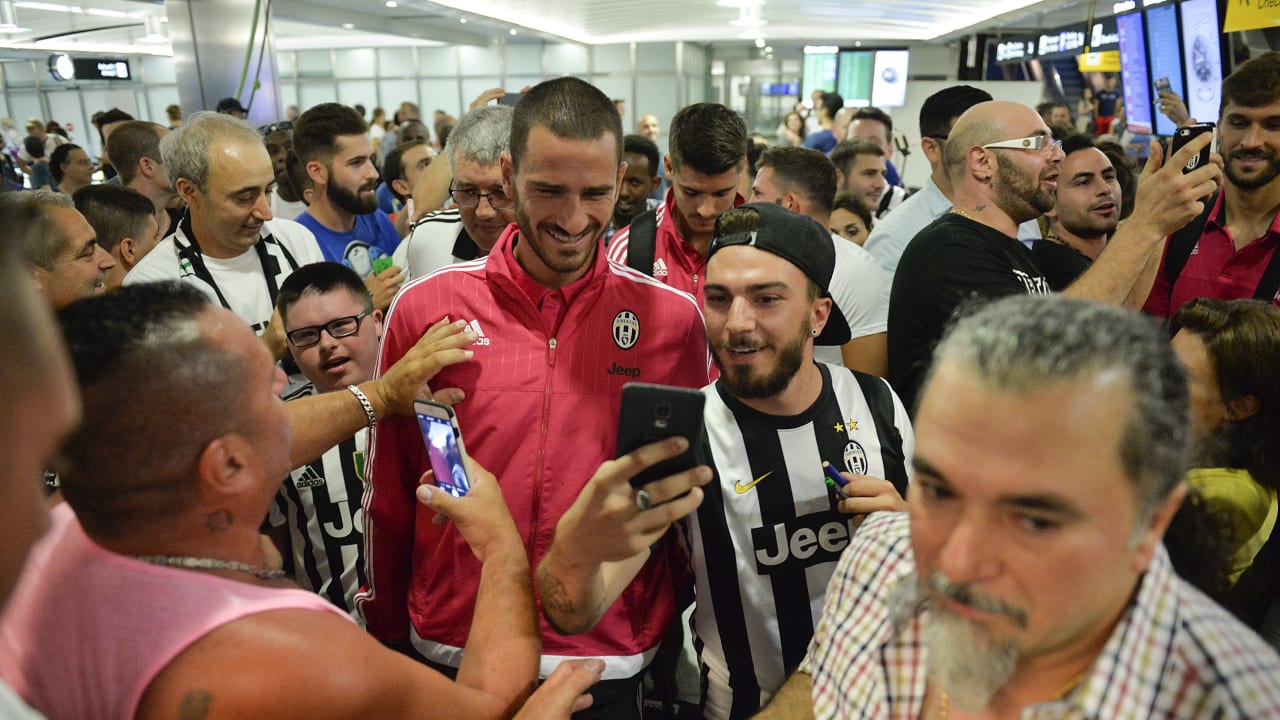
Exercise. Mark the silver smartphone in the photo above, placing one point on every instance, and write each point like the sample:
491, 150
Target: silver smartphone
443, 439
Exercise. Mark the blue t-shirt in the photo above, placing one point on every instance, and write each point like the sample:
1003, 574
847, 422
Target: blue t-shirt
372, 237
387, 202
891, 175
1107, 100
40, 175
823, 141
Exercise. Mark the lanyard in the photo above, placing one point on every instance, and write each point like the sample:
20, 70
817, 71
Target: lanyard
195, 257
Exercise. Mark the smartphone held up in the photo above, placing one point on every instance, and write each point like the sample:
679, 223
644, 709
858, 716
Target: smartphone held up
439, 427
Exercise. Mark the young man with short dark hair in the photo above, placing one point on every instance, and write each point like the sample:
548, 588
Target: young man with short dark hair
125, 223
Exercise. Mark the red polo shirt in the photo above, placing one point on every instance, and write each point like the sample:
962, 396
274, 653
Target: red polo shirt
1215, 268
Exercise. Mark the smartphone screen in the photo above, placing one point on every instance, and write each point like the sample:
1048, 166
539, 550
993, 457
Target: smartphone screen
444, 448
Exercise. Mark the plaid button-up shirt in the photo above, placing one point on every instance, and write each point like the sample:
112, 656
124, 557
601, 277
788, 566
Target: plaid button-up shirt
1174, 653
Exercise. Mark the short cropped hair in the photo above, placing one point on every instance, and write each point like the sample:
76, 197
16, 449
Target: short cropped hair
321, 278
708, 138
114, 212
186, 149
641, 145
393, 168
805, 171
1254, 84
316, 132
1024, 343
114, 115
832, 103
135, 350
131, 142
846, 152
940, 110
875, 113
41, 241
570, 109
58, 158
481, 135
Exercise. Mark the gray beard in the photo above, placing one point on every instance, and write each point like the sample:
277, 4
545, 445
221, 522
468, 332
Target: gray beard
962, 657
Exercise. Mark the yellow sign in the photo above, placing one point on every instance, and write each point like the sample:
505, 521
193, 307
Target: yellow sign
1251, 14
1106, 61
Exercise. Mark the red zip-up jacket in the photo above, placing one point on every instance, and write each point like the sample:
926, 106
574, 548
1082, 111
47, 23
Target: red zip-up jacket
541, 413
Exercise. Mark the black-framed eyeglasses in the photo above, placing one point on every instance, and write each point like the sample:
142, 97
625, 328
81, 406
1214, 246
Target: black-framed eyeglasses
341, 327
274, 127
470, 198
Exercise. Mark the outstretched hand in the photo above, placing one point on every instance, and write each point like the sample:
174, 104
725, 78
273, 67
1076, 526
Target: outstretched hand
407, 380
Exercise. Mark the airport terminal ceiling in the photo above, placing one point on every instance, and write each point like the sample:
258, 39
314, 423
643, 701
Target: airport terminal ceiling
134, 27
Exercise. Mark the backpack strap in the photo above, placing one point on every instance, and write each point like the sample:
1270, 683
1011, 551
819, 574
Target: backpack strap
642, 239
1182, 242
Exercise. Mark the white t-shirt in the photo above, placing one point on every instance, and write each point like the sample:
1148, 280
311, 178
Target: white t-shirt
860, 288
437, 240
240, 280
282, 209
12, 707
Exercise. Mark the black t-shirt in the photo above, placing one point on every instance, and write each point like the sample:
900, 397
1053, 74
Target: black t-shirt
1059, 262
951, 261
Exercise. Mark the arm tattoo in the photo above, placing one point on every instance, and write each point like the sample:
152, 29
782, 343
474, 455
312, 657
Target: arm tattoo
195, 705
555, 595
980, 208
218, 521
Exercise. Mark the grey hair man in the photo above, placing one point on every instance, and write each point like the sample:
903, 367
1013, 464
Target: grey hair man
227, 245
1028, 578
59, 246
483, 209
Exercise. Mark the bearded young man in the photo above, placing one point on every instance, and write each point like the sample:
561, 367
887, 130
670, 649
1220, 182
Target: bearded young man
332, 141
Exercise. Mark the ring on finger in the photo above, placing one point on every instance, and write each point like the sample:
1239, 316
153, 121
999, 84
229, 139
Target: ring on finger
643, 501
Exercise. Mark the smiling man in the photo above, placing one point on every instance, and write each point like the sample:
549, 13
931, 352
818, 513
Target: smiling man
227, 245
766, 539
1004, 168
1085, 213
708, 156
1237, 241
558, 331
643, 159
1028, 578
61, 247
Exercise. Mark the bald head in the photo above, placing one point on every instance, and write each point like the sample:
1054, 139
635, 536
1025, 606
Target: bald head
985, 123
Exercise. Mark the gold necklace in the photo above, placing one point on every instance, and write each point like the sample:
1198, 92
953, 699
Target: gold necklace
944, 698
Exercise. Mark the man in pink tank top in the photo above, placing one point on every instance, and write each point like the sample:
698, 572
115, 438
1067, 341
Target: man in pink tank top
154, 599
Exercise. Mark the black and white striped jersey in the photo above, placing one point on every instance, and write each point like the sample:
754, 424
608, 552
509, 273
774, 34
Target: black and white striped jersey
766, 539
320, 505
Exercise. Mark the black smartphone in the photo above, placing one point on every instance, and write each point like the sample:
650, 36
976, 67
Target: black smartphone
1163, 85
1186, 134
654, 412
439, 427
510, 99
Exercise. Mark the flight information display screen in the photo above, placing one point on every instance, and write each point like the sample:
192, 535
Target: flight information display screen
889, 81
1134, 77
854, 84
1166, 58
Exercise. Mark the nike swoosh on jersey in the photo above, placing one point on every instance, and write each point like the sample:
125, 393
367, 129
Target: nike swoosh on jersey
742, 489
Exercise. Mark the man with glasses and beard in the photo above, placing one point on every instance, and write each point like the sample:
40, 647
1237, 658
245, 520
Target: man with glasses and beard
1028, 578
770, 531
1230, 252
1004, 166
332, 141
1085, 214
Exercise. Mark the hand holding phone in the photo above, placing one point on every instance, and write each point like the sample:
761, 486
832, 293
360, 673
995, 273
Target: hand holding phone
655, 412
439, 427
1186, 134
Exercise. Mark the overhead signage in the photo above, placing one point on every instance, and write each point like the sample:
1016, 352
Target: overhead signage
1067, 41
1104, 35
99, 68
1013, 50
1108, 61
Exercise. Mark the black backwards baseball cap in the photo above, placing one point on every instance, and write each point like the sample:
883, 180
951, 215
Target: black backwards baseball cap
801, 241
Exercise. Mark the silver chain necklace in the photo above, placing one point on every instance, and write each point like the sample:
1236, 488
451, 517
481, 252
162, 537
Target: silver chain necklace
195, 563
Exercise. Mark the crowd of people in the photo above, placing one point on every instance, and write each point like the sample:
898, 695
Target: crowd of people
1002, 445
